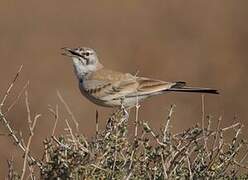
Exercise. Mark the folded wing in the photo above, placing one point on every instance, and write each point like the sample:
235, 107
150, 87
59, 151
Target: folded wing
119, 85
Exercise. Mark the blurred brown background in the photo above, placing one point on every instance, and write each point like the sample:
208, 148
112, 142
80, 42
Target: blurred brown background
202, 42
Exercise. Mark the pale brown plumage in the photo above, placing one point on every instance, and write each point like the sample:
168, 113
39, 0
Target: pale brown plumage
110, 88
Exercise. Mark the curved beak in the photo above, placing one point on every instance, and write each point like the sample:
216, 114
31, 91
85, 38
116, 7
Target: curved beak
66, 51
69, 52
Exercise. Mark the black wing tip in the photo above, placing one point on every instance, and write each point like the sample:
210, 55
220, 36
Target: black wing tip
195, 90
205, 91
181, 86
212, 91
216, 92
208, 91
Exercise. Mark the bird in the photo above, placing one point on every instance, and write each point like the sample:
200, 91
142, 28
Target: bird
109, 88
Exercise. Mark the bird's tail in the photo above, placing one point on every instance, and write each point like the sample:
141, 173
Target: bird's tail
181, 87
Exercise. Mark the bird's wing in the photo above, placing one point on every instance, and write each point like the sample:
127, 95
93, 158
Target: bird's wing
147, 86
110, 85
107, 85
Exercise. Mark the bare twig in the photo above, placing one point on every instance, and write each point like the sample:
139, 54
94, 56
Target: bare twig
166, 128
164, 167
240, 163
10, 87
136, 118
135, 133
97, 123
203, 110
212, 133
17, 98
28, 110
71, 133
244, 157
148, 129
99, 167
10, 168
175, 157
189, 167
115, 158
69, 111
59, 143
231, 127
56, 117
6, 122
215, 137
16, 140
31, 129
203, 121
227, 161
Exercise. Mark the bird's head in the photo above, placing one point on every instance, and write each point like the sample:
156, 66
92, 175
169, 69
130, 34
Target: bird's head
85, 60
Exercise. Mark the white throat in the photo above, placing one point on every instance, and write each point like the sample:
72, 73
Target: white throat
81, 70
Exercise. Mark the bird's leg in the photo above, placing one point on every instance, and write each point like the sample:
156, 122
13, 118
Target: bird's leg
121, 114
124, 110
112, 119
125, 114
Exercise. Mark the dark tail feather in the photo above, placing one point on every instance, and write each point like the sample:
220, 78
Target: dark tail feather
195, 90
180, 87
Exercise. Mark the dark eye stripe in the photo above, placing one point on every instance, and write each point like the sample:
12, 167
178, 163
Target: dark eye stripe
76, 54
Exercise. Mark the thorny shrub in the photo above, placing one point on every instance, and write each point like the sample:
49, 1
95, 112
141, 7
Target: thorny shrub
116, 153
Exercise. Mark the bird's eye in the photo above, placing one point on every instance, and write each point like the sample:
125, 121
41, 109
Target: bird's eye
87, 54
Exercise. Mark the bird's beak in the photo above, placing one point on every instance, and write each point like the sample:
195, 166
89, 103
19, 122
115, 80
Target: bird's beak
68, 52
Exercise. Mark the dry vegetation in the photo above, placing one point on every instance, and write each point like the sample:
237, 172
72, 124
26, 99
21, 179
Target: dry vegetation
201, 152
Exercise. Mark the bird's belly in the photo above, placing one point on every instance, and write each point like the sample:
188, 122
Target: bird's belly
126, 102
133, 101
